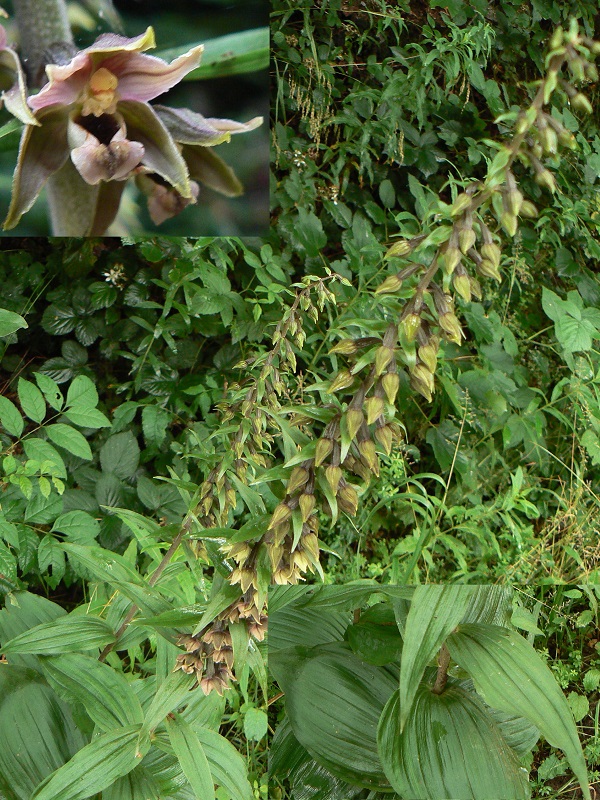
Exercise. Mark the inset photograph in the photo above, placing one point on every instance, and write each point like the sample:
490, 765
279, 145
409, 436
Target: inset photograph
433, 692
132, 118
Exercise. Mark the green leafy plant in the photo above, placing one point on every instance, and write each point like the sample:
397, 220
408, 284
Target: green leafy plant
427, 691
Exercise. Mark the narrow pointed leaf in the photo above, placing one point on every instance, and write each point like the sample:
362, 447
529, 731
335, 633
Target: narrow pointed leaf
191, 756
226, 764
450, 747
511, 676
434, 613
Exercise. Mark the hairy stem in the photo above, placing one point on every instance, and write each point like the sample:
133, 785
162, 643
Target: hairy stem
442, 673
152, 581
41, 23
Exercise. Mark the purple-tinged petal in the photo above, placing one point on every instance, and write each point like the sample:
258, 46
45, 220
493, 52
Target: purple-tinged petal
42, 152
65, 83
142, 77
164, 202
231, 126
110, 42
162, 154
15, 98
206, 167
96, 161
188, 127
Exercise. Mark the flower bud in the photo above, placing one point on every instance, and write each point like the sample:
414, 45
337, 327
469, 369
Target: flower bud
341, 381
463, 286
428, 353
451, 326
475, 288
466, 239
383, 357
488, 270
324, 448
281, 514
422, 381
354, 419
369, 454
461, 204
400, 248
509, 223
581, 103
334, 476
452, 258
298, 478
348, 499
390, 285
527, 210
390, 383
545, 178
346, 347
514, 200
491, 252
410, 325
557, 38
385, 438
374, 406
307, 504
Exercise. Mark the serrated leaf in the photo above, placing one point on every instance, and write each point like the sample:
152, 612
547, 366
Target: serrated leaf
82, 393
87, 418
154, 425
120, 455
40, 450
511, 676
10, 417
50, 390
79, 526
69, 438
32, 401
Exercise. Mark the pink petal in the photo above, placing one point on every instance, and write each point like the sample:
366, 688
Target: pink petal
3, 39
109, 42
142, 77
65, 84
235, 127
97, 162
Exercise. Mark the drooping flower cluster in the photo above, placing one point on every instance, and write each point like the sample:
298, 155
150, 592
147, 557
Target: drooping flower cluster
95, 111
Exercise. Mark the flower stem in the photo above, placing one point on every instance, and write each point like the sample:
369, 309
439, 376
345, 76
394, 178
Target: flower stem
442, 673
41, 24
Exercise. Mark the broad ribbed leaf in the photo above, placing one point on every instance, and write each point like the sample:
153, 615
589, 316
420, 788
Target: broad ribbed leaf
105, 694
450, 747
334, 701
512, 677
191, 756
434, 613
171, 694
490, 605
94, 767
294, 625
37, 732
64, 635
227, 766
375, 644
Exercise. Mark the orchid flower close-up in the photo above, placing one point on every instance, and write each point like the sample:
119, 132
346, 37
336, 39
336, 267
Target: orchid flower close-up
92, 125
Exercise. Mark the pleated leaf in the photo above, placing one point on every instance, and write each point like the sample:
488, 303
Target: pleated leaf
450, 747
37, 732
512, 677
227, 766
434, 613
64, 635
191, 756
105, 693
94, 768
334, 701
293, 626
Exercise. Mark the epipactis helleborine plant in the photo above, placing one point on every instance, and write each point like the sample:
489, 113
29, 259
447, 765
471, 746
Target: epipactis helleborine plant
95, 110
